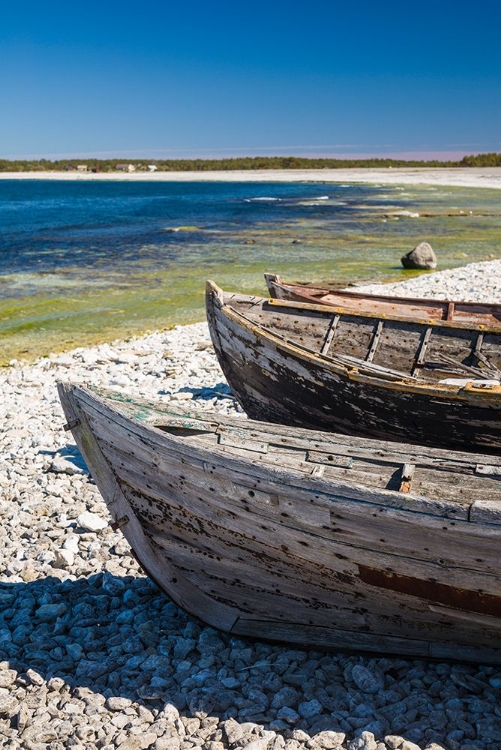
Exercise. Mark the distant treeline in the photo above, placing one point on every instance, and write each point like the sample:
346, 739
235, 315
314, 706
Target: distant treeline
244, 162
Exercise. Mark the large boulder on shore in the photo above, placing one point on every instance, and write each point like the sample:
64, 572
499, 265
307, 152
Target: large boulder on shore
421, 257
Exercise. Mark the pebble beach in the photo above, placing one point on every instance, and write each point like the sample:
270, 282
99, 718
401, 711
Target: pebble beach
93, 655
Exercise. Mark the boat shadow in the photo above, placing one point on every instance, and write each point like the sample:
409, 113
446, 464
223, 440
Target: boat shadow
68, 453
122, 637
118, 636
220, 391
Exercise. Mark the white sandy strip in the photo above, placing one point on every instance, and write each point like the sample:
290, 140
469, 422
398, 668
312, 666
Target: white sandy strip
489, 177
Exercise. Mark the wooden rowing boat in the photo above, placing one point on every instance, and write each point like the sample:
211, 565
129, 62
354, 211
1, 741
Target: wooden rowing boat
471, 313
301, 536
433, 383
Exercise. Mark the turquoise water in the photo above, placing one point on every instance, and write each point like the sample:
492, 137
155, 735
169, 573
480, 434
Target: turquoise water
83, 262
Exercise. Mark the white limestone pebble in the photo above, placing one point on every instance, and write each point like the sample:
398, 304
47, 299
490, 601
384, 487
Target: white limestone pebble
91, 521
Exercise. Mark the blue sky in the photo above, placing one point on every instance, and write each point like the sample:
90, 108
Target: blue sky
165, 79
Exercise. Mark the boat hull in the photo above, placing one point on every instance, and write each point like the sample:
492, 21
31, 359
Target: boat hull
280, 381
282, 554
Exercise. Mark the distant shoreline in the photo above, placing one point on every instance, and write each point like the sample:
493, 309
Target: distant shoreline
474, 177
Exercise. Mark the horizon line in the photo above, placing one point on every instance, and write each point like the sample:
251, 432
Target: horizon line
439, 155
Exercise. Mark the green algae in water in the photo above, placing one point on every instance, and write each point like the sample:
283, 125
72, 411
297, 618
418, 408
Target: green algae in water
163, 285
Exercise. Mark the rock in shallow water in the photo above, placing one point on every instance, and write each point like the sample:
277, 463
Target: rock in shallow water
421, 257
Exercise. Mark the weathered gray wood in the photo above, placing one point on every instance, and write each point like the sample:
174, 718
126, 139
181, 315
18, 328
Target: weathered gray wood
439, 474
487, 511
330, 334
251, 546
423, 347
375, 341
158, 567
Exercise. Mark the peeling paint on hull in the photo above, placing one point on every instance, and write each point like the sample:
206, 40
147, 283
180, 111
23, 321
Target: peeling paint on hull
285, 380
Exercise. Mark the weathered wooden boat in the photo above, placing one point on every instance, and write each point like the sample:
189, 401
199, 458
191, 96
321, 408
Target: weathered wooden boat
433, 383
301, 536
471, 313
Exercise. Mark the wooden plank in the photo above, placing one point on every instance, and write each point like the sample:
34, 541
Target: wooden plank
493, 371
381, 531
478, 345
224, 438
481, 357
375, 341
486, 511
330, 459
437, 593
366, 366
475, 371
488, 470
310, 308
330, 334
473, 617
235, 533
421, 353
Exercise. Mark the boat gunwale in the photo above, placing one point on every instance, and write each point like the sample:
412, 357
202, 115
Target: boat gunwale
388, 317
273, 428
275, 280
344, 492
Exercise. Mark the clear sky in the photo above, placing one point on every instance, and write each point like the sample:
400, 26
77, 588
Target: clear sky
212, 78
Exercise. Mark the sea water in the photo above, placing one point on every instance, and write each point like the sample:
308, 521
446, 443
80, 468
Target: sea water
82, 262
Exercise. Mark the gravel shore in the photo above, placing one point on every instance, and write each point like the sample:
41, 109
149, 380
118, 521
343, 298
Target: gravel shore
92, 655
476, 282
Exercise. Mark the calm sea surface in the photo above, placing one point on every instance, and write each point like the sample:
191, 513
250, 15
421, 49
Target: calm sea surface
84, 262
